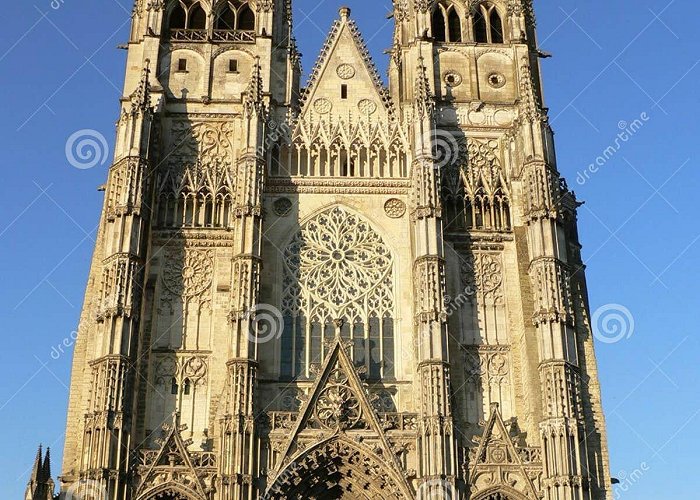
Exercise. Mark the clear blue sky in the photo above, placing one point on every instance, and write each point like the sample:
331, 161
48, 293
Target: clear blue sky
613, 62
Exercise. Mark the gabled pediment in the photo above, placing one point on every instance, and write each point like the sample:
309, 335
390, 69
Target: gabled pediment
344, 82
338, 407
497, 460
172, 469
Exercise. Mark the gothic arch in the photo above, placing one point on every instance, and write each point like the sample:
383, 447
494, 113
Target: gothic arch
447, 22
500, 493
233, 15
338, 468
186, 14
169, 491
488, 23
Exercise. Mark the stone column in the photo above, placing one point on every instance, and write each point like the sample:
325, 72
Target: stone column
436, 437
240, 447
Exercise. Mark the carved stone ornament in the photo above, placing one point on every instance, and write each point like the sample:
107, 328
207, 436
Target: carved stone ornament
337, 406
483, 274
283, 207
346, 71
367, 107
323, 106
210, 143
395, 208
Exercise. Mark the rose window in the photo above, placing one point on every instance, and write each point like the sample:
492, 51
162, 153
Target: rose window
338, 280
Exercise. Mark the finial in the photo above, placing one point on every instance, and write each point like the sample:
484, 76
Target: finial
344, 13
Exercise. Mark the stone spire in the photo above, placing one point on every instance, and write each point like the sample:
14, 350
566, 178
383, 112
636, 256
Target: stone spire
40, 485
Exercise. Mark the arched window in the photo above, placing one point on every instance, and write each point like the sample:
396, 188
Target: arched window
439, 25
246, 18
187, 14
178, 18
226, 18
488, 25
235, 15
455, 26
198, 18
447, 26
338, 280
496, 26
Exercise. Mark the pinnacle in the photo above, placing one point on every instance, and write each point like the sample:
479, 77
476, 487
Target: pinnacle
46, 468
344, 13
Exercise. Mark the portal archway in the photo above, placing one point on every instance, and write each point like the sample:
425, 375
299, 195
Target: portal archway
500, 493
338, 469
171, 491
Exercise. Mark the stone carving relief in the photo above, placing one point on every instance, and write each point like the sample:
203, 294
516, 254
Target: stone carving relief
210, 143
323, 106
337, 406
482, 274
283, 207
180, 368
484, 161
395, 208
367, 107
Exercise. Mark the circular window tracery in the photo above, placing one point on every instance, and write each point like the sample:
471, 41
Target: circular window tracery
345, 71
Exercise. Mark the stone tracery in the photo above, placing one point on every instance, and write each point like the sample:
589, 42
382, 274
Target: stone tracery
338, 274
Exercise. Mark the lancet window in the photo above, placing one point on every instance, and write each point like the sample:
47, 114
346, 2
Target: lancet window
187, 14
475, 192
487, 24
446, 23
195, 196
235, 15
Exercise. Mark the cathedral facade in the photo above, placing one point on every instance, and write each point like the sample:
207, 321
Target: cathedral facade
341, 291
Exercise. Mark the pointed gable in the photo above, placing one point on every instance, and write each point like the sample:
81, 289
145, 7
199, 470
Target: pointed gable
337, 406
345, 82
172, 469
497, 461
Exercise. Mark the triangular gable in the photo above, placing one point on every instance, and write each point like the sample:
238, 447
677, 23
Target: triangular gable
172, 462
498, 458
338, 404
345, 60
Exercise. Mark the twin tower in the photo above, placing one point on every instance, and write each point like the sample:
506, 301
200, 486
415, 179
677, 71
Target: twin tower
340, 291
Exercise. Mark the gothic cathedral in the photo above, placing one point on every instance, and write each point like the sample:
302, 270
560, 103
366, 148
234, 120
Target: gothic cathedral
338, 291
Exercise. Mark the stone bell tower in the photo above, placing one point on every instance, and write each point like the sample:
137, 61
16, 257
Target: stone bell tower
341, 291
